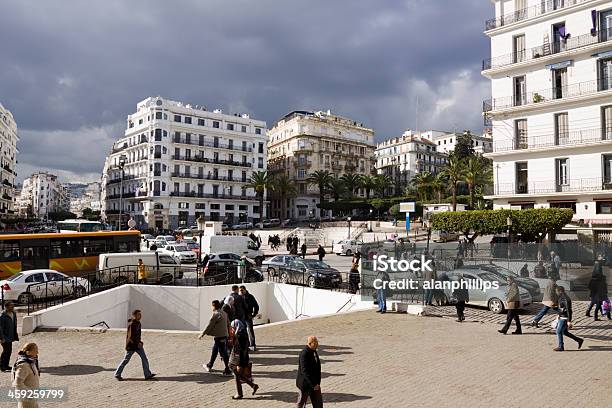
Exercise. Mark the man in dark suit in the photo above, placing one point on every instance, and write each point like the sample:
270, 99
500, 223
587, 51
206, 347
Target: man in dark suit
309, 375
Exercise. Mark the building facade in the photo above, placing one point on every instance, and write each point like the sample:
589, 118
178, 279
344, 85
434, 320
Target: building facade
42, 194
84, 196
303, 142
8, 160
400, 158
480, 143
177, 162
551, 106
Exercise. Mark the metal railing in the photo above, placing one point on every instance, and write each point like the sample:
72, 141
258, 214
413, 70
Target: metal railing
226, 146
554, 186
533, 53
530, 12
583, 136
200, 159
209, 177
211, 195
545, 95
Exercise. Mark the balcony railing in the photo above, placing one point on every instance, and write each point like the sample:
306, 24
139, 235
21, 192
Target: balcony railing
204, 143
127, 177
583, 136
530, 12
194, 194
208, 177
559, 92
529, 54
554, 186
306, 163
199, 159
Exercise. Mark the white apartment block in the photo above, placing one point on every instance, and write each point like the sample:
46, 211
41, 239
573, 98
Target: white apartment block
8, 160
41, 195
303, 142
400, 158
177, 162
446, 143
551, 106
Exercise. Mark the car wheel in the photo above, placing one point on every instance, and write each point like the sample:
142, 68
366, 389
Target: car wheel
25, 298
271, 272
349, 252
284, 278
79, 291
166, 279
312, 282
496, 306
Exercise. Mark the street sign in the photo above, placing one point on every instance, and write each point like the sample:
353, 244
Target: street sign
407, 207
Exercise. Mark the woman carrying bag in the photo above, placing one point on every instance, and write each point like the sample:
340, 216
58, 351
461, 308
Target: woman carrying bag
239, 359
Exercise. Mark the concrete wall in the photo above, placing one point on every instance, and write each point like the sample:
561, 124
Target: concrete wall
188, 308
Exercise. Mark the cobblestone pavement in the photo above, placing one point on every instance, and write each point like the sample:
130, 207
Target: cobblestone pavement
369, 360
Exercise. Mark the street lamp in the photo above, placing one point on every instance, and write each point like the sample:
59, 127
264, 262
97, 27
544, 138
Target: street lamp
428, 226
122, 161
509, 225
201, 224
349, 227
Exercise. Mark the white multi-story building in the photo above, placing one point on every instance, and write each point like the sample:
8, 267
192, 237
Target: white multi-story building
303, 142
178, 161
8, 160
446, 143
551, 106
41, 195
400, 158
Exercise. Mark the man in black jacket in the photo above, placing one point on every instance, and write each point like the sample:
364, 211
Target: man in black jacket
252, 309
309, 375
240, 308
565, 320
133, 344
8, 334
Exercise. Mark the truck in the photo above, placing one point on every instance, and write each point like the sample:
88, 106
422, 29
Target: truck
119, 268
239, 245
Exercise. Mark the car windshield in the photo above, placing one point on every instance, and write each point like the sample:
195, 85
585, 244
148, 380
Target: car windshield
181, 248
15, 277
491, 277
313, 263
498, 270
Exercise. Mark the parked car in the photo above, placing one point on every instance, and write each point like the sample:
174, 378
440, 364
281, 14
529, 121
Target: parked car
493, 299
347, 247
116, 268
220, 270
272, 265
162, 240
444, 236
530, 285
180, 252
310, 272
24, 287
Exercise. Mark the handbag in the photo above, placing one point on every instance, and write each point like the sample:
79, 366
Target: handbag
234, 360
246, 373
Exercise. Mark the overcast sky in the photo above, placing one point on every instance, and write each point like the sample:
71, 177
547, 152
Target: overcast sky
72, 70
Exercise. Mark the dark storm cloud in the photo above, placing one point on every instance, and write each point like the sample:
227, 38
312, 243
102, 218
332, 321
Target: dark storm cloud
72, 70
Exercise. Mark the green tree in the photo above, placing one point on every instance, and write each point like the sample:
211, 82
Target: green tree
368, 183
337, 188
381, 184
260, 181
478, 171
285, 189
321, 179
439, 184
463, 146
454, 171
351, 182
422, 184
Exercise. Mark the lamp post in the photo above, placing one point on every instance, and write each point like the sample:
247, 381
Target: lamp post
201, 223
122, 160
509, 225
428, 226
349, 227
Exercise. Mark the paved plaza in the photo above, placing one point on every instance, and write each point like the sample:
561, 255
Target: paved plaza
369, 360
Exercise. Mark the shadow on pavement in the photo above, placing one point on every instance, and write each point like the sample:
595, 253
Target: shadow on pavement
75, 369
292, 374
200, 378
291, 397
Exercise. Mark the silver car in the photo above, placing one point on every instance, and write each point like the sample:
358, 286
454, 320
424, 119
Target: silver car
493, 299
273, 265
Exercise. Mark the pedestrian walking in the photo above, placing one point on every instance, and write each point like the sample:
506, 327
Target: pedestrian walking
549, 301
539, 271
303, 248
217, 328
429, 276
26, 373
228, 308
134, 344
239, 360
321, 252
462, 296
524, 272
240, 308
555, 262
142, 272
598, 288
564, 322
8, 334
308, 379
252, 310
381, 293
354, 277
513, 300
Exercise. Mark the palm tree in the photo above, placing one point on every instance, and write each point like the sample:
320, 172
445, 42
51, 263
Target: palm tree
337, 187
454, 170
477, 171
351, 182
368, 183
382, 182
439, 184
260, 181
321, 179
422, 183
285, 189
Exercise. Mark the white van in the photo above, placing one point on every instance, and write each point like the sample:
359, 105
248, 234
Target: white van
239, 245
122, 267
